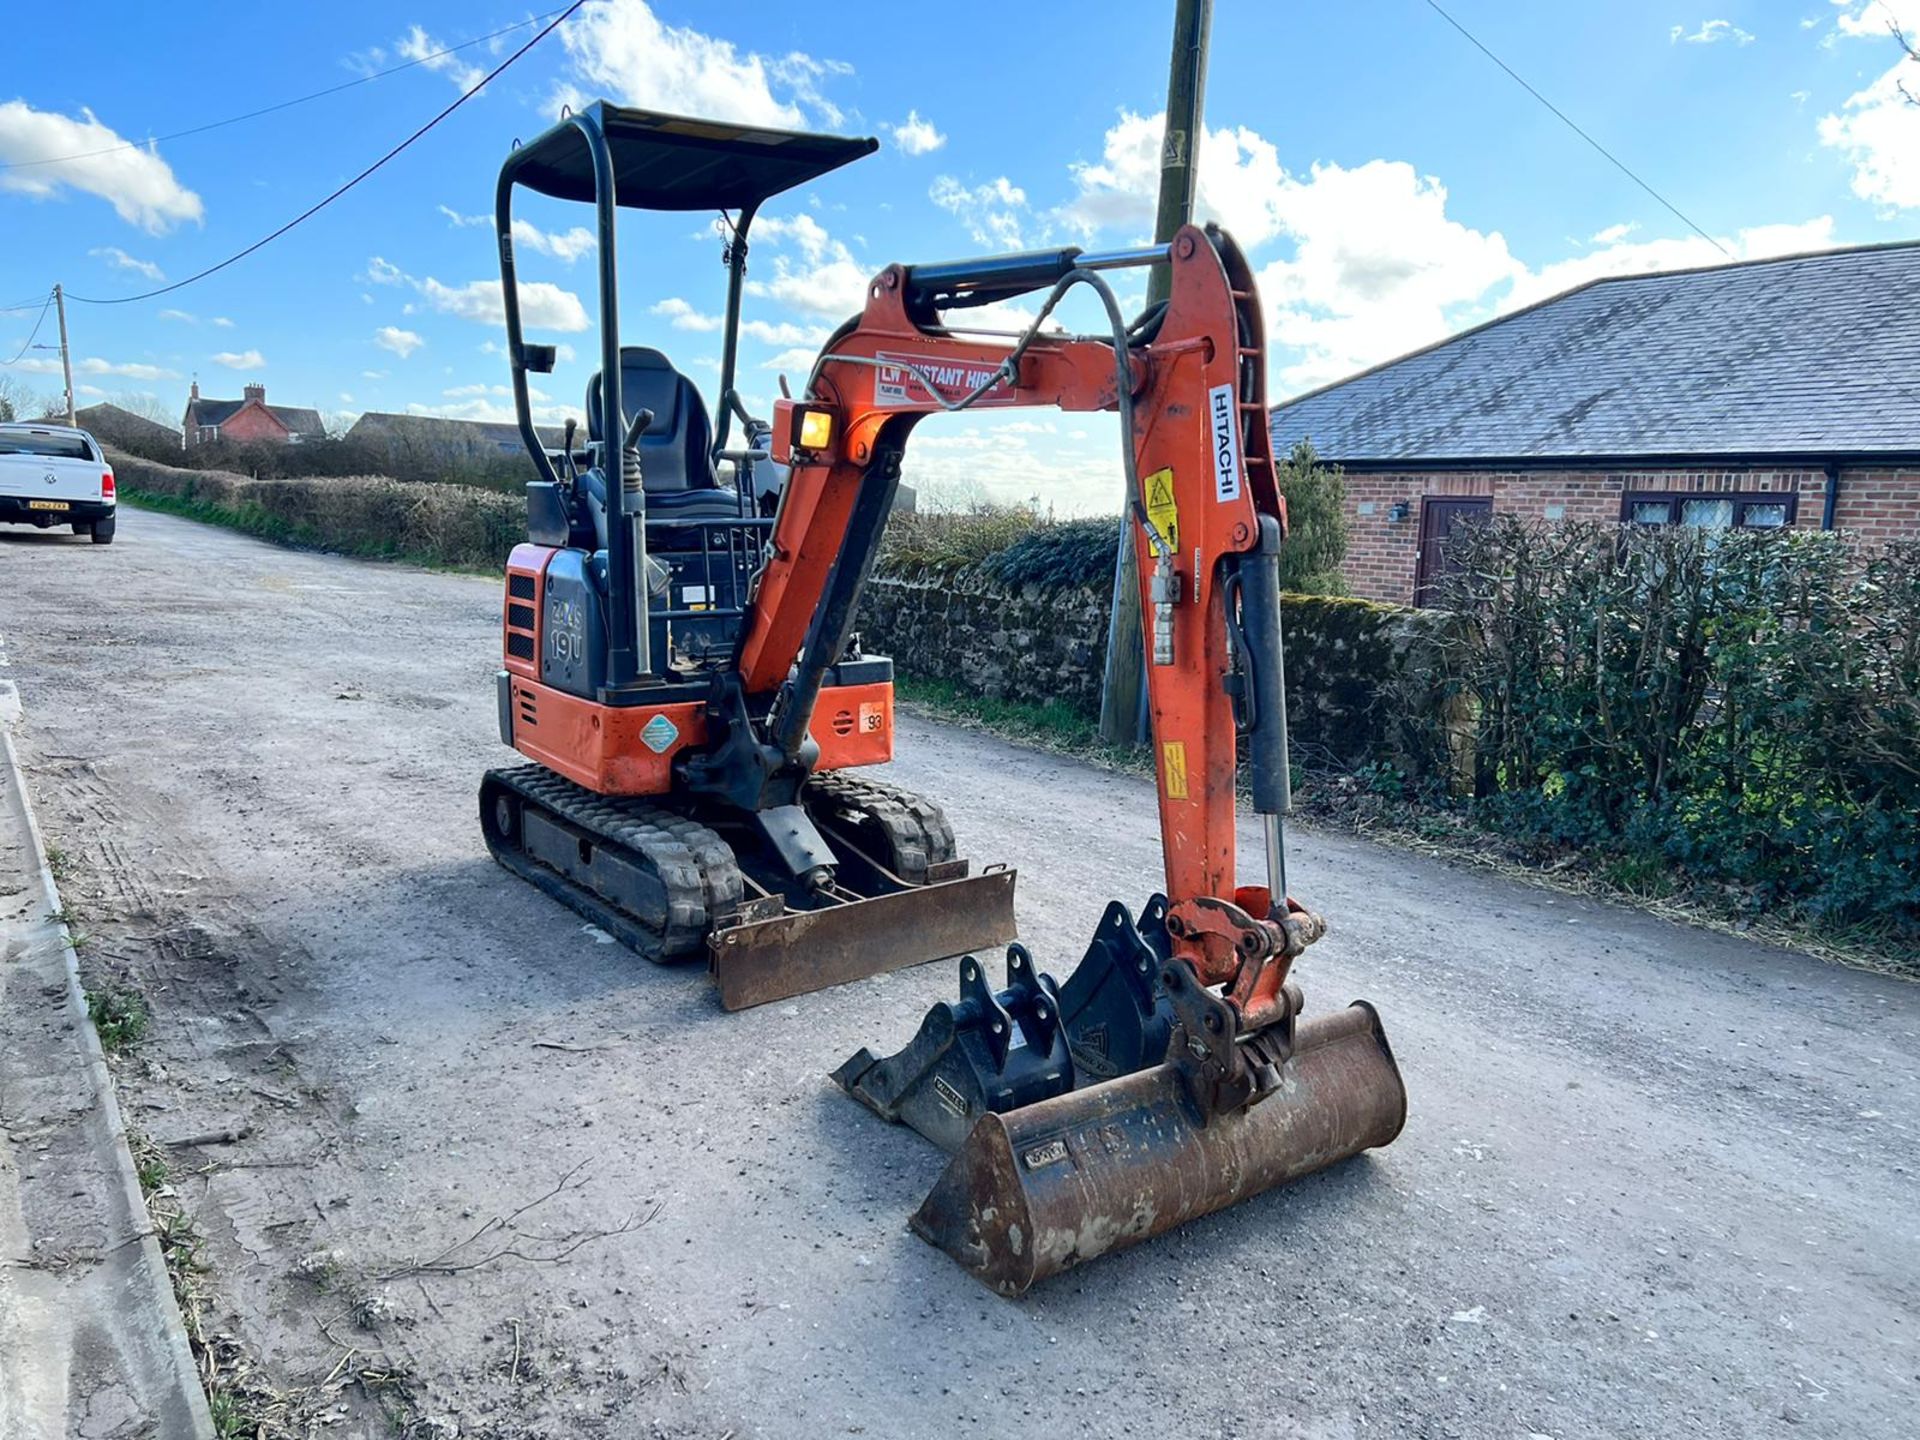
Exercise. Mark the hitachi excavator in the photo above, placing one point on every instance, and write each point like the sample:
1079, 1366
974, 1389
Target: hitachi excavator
682, 671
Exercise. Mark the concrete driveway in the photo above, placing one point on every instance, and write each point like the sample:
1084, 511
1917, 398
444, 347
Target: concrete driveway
1655, 1181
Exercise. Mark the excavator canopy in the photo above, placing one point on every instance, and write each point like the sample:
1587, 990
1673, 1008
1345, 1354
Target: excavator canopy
670, 162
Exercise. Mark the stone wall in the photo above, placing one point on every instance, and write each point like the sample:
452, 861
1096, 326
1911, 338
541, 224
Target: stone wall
1026, 642
1359, 673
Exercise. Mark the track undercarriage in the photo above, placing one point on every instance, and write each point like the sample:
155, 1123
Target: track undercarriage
674, 886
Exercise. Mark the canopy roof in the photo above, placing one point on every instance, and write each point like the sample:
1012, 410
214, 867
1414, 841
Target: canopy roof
669, 162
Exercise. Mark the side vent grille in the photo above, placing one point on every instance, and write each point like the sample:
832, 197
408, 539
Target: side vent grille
529, 711
523, 622
843, 722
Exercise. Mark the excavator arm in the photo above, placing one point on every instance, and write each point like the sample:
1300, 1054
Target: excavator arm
1167, 1077
1205, 515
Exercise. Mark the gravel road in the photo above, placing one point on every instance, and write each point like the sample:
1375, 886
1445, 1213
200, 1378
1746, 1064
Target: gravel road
1655, 1182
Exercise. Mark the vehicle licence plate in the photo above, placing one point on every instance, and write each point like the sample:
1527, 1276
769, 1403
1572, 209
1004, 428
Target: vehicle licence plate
48, 505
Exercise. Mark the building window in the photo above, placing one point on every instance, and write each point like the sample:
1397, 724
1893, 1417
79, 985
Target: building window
1711, 512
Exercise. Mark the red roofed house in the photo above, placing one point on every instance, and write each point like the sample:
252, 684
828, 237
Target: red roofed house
248, 420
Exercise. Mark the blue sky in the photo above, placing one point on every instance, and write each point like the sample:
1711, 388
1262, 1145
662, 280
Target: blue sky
1393, 185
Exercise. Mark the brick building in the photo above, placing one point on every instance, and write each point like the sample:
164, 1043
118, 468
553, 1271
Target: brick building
248, 420
1763, 394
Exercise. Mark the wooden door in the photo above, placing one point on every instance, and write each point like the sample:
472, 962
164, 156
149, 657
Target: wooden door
1439, 514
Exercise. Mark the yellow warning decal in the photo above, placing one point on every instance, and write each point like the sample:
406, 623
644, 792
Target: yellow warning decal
1174, 764
1162, 509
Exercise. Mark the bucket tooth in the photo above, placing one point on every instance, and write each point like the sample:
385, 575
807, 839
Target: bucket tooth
987, 1052
1038, 1190
1115, 1010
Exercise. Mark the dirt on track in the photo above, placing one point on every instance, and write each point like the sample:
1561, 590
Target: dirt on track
1655, 1181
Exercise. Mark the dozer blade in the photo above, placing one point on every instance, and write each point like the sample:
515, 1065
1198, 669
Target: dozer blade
757, 961
1041, 1189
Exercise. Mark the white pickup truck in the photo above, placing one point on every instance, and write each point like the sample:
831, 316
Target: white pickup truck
55, 475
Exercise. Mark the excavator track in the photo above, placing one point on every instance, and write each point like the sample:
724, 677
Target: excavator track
914, 830
655, 880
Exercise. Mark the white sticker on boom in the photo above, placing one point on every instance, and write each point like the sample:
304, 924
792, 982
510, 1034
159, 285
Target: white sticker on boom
1226, 442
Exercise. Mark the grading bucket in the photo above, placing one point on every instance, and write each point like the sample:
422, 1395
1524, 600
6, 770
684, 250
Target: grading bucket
1041, 1189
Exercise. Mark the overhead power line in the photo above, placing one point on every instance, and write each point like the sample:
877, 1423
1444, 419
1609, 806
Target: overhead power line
46, 305
320, 205
282, 105
1611, 158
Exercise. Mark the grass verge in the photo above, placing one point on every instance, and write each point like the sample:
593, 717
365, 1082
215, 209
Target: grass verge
1354, 803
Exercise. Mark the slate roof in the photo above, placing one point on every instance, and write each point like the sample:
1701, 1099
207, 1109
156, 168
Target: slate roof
112, 423
297, 419
440, 433
1811, 355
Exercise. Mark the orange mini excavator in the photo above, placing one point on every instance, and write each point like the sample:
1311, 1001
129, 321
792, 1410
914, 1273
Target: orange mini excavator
681, 666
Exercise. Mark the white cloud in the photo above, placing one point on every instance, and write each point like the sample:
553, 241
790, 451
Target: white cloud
1378, 266
401, 342
621, 49
542, 306
241, 359
138, 184
346, 397
825, 280
682, 316
418, 45
133, 370
181, 315
1711, 32
1878, 129
221, 322
1240, 182
1373, 264
373, 374
916, 136
121, 260
992, 211
486, 407
1876, 19
797, 361
567, 247
785, 333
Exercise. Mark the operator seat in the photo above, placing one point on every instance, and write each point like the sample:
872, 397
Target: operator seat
676, 448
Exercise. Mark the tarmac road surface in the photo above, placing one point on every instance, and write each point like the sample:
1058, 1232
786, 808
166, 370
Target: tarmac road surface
1656, 1181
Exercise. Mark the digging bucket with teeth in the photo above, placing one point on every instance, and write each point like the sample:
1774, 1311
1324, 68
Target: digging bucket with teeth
1086, 1117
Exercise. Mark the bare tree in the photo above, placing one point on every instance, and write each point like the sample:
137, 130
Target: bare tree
1900, 36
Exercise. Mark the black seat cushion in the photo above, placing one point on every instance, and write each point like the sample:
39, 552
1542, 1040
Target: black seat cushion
676, 449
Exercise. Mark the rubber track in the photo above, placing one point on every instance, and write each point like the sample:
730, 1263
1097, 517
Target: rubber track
694, 865
917, 830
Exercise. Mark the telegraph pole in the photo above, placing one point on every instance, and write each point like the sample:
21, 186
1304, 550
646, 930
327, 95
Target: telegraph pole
66, 359
1124, 684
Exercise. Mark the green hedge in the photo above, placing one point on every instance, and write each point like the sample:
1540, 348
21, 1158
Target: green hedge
357, 515
1729, 710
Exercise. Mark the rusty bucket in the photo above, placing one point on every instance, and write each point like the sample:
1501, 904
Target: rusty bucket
1052, 1185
